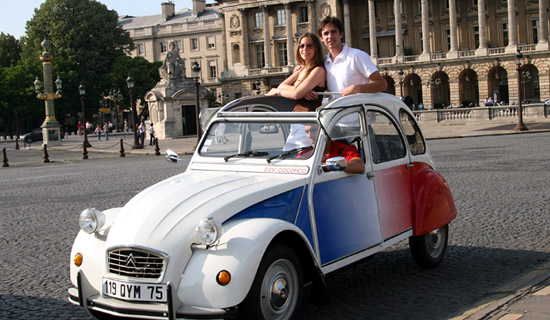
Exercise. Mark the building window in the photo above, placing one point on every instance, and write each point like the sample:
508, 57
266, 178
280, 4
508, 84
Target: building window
303, 15
448, 38
260, 58
236, 54
476, 36
194, 44
283, 53
259, 20
421, 40
474, 3
447, 4
535, 28
281, 17
211, 43
140, 49
505, 32
163, 47
212, 69
179, 46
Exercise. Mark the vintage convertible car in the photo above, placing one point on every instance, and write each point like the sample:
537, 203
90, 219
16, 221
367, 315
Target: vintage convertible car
259, 217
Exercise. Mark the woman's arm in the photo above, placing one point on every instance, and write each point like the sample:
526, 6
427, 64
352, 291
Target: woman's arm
317, 77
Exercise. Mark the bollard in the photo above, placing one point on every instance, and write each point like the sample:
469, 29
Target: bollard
16, 143
84, 151
122, 154
46, 156
4, 158
157, 149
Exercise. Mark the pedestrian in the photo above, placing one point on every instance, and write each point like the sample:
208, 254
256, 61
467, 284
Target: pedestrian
125, 125
142, 131
98, 131
79, 128
106, 130
151, 135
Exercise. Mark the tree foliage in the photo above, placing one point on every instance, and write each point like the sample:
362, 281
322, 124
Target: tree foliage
10, 50
88, 46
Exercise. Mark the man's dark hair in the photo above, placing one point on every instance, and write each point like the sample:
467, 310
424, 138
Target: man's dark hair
327, 20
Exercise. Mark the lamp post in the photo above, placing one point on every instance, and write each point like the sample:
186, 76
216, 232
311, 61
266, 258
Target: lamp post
258, 87
82, 91
50, 123
130, 82
520, 125
196, 69
401, 77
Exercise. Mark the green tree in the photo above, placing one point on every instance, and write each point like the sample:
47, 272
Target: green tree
10, 50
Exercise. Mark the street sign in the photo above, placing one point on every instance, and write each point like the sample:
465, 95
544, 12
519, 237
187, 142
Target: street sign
104, 110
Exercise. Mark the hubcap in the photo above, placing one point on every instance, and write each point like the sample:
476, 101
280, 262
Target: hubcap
279, 292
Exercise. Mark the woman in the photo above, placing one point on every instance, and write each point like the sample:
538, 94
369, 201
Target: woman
309, 76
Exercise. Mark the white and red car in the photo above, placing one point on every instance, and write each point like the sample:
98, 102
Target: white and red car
257, 220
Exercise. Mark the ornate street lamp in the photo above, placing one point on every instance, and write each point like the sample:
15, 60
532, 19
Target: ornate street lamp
82, 91
258, 87
50, 123
130, 82
196, 69
520, 125
401, 77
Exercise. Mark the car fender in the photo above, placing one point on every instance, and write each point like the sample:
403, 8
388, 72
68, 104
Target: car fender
239, 251
93, 248
434, 206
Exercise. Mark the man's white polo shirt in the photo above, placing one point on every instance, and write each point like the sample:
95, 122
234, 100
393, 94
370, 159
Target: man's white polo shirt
351, 66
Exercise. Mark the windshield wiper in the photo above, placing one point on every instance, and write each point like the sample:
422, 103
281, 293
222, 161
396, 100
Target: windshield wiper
288, 153
251, 153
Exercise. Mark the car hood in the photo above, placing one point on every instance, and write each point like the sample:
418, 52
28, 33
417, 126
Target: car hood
164, 216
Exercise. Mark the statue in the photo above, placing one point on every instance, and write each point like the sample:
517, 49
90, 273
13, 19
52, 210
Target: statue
172, 66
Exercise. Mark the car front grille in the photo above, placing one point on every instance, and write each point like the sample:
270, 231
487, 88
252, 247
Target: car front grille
136, 263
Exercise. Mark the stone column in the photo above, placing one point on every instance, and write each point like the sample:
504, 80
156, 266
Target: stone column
453, 52
313, 26
267, 38
347, 24
543, 21
372, 31
289, 35
512, 28
482, 25
426, 51
245, 44
398, 31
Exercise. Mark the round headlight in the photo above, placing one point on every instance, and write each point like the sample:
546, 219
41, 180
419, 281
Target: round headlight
208, 231
91, 220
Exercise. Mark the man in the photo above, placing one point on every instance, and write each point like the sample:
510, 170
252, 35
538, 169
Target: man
336, 149
349, 70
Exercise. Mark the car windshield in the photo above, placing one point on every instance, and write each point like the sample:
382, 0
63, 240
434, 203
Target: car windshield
266, 140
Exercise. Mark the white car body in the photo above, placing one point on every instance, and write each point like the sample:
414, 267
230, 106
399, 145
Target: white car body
257, 204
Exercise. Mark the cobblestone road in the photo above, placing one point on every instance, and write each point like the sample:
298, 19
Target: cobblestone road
500, 185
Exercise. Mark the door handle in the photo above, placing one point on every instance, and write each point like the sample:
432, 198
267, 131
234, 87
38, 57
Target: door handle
370, 175
410, 165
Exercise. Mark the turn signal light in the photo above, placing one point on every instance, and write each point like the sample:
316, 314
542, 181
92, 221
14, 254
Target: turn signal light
223, 277
77, 259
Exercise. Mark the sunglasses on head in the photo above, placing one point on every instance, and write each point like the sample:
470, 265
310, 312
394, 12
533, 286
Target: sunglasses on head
308, 45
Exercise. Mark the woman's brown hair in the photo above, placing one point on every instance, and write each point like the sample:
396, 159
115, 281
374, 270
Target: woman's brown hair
318, 59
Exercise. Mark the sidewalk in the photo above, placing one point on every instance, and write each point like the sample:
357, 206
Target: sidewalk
526, 297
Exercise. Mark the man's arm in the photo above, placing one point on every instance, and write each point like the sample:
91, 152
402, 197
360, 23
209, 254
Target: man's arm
377, 83
355, 165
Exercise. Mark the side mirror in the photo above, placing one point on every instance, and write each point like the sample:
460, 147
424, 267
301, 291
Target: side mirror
335, 164
269, 129
172, 156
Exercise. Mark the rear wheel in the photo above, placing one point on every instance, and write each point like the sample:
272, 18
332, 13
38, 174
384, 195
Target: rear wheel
277, 290
428, 250
28, 140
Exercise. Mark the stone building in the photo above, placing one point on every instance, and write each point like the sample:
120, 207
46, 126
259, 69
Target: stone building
446, 51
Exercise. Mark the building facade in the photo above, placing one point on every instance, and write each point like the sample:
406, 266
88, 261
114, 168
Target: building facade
446, 52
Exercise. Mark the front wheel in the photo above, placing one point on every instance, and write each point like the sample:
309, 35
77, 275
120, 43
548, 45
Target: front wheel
277, 290
428, 250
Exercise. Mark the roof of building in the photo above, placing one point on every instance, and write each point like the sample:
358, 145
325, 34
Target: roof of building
181, 17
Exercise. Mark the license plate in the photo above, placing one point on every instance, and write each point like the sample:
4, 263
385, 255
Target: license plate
150, 292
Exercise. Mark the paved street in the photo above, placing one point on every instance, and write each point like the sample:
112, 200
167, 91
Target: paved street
500, 185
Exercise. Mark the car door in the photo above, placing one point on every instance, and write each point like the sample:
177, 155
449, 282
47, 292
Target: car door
392, 177
345, 207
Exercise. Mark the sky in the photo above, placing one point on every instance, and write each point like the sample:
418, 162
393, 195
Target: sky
14, 14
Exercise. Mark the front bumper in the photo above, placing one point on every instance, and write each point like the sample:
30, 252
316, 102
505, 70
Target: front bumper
145, 310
